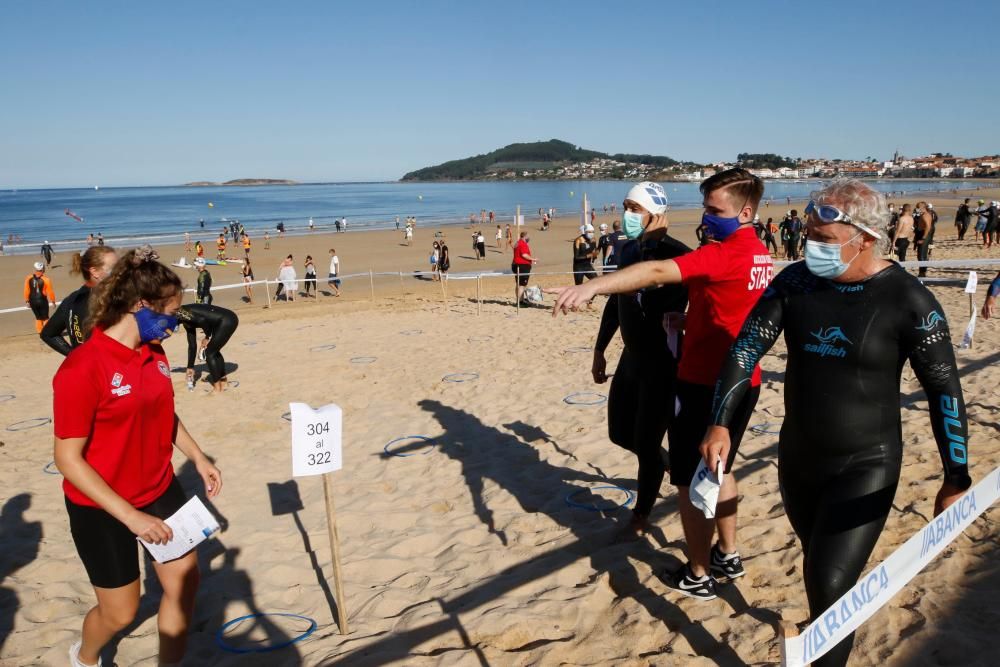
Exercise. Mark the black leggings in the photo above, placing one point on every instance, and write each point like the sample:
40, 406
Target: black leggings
40, 308
837, 506
213, 353
310, 282
640, 407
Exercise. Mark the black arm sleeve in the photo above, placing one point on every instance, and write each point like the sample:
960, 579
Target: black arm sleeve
994, 290
928, 346
759, 332
609, 324
192, 336
52, 332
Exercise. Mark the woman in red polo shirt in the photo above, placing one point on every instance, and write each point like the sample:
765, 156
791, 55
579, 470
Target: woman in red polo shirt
115, 430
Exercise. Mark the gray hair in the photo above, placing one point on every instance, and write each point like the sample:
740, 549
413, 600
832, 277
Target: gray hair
860, 201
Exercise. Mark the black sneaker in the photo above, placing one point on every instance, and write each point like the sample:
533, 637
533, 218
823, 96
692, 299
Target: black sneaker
725, 566
685, 583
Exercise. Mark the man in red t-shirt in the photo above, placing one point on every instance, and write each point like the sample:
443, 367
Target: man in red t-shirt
724, 279
521, 266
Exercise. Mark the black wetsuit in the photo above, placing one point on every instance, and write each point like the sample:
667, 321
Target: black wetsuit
641, 399
218, 324
840, 448
922, 240
203, 293
583, 259
67, 320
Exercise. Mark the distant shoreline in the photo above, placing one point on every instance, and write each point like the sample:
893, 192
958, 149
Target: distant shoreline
241, 182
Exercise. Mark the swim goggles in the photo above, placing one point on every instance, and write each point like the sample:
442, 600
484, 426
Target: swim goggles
826, 214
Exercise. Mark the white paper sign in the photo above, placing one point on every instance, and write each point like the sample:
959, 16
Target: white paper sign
316, 441
192, 524
970, 286
519, 220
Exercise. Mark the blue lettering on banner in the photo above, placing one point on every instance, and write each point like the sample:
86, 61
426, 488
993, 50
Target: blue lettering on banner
956, 443
863, 594
942, 528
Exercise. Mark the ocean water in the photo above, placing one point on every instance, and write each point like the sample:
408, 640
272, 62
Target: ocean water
164, 214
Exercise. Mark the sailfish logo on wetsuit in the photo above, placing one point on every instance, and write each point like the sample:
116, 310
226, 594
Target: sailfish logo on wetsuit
828, 339
931, 322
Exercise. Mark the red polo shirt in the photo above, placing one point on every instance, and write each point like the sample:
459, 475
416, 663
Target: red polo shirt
724, 281
122, 401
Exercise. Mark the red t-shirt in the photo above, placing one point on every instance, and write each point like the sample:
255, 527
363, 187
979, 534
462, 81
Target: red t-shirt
122, 401
520, 250
724, 281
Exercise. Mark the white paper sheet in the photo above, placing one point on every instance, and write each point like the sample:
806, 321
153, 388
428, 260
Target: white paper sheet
192, 524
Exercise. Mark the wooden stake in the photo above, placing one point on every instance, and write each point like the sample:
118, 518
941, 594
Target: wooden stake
479, 294
402, 290
338, 584
267, 291
371, 282
786, 630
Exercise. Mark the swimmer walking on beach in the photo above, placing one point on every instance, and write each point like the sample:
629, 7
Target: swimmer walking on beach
94, 265
724, 278
851, 320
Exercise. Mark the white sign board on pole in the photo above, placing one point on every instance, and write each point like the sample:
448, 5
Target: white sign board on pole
519, 220
973, 282
316, 439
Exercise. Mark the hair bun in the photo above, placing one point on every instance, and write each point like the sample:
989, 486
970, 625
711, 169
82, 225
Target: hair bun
145, 254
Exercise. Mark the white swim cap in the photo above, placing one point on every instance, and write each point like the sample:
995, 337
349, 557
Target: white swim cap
603, 227
930, 205
200, 261
39, 266
649, 195
588, 229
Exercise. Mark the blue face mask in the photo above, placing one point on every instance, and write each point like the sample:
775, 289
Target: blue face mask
717, 227
823, 259
632, 224
154, 326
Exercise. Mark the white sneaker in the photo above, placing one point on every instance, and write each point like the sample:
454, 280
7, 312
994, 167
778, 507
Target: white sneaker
74, 656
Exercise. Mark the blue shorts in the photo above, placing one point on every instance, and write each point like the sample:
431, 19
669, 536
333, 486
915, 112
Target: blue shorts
332, 279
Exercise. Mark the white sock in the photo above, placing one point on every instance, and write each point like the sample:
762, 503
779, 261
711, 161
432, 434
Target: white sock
74, 656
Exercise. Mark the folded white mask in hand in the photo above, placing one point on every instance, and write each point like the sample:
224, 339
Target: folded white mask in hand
704, 489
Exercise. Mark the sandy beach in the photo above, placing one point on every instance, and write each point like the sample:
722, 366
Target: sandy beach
466, 552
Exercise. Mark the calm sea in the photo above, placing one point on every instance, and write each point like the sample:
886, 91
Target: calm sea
163, 214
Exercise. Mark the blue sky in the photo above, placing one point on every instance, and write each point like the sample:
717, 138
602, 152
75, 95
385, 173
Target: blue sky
129, 93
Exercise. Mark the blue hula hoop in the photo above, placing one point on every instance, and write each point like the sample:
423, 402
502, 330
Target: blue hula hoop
34, 422
430, 445
220, 641
460, 377
323, 348
48, 471
411, 332
248, 343
572, 398
629, 497
575, 350
6, 397
363, 360
480, 339
765, 429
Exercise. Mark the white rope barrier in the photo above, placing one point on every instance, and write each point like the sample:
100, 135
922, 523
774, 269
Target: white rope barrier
883, 581
478, 275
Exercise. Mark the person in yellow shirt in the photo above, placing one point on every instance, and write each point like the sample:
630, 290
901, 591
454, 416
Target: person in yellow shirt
220, 245
246, 245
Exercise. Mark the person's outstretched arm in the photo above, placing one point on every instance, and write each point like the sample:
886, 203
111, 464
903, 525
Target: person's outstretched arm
759, 333
991, 298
